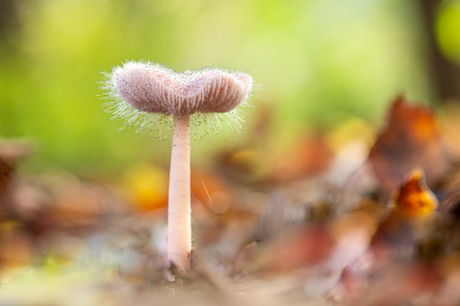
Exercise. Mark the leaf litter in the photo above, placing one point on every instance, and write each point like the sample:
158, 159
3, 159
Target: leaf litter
352, 224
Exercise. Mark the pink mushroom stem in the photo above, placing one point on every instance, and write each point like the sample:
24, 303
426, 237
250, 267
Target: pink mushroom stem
179, 209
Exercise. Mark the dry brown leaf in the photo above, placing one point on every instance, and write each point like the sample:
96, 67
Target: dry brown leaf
208, 189
411, 139
293, 249
310, 157
395, 238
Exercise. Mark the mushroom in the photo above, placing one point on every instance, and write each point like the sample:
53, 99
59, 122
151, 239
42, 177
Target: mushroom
145, 92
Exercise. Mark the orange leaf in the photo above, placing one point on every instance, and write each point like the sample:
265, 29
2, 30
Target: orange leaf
414, 198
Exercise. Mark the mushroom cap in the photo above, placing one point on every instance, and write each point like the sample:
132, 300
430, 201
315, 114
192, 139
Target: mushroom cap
152, 88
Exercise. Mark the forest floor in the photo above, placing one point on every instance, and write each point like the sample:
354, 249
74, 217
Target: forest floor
373, 220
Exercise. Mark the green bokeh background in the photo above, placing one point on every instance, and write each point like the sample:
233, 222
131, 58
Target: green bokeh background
322, 61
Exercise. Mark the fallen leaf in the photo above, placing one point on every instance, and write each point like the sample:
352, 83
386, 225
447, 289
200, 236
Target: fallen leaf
396, 237
208, 189
414, 198
310, 157
148, 185
411, 139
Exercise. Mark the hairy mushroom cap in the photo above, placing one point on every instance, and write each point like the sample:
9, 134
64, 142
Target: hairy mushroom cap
152, 88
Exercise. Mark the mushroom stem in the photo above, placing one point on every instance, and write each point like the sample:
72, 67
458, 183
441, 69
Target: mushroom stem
179, 209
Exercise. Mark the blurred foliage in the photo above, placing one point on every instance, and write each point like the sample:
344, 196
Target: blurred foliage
322, 61
447, 29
